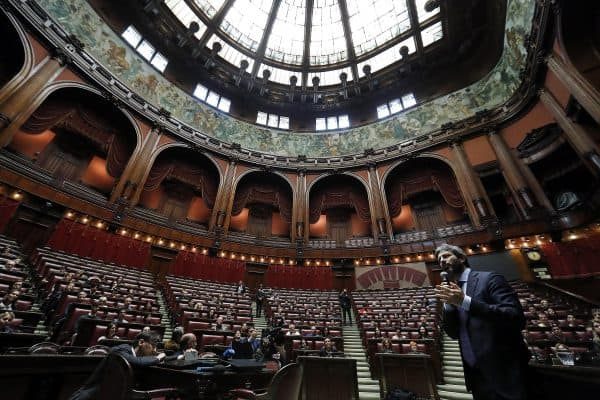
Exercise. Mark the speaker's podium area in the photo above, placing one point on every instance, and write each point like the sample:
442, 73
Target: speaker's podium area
242, 199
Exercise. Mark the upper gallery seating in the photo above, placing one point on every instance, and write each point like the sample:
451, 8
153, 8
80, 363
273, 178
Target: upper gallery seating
75, 285
553, 318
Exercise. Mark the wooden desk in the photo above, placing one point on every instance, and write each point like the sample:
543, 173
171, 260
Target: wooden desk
559, 382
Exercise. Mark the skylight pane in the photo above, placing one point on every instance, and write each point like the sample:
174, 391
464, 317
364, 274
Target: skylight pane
395, 106
376, 22
383, 111
159, 62
320, 124
424, 15
245, 22
210, 7
146, 50
327, 78
344, 121
230, 54
327, 42
224, 104
132, 36
273, 121
284, 123
279, 75
185, 14
200, 92
213, 99
432, 34
409, 100
332, 123
261, 118
286, 42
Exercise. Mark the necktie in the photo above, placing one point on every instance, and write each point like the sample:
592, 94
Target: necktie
465, 341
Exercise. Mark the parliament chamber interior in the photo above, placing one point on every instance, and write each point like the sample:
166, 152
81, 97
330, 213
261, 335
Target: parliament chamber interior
242, 199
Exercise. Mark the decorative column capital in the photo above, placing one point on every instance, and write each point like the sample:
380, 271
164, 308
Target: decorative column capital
62, 57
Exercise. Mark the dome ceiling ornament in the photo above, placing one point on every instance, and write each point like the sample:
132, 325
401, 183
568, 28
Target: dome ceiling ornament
196, 122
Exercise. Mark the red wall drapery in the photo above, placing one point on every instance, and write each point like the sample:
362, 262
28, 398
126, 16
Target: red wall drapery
209, 268
576, 258
86, 241
7, 209
283, 276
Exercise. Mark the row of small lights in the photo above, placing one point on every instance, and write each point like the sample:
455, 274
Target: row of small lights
527, 242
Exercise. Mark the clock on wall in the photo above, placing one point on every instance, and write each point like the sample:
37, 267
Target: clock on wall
534, 255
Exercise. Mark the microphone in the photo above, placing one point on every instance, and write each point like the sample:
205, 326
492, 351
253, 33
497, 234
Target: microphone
445, 277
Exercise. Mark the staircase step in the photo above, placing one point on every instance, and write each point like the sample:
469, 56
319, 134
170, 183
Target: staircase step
368, 395
449, 387
454, 380
368, 388
453, 374
445, 395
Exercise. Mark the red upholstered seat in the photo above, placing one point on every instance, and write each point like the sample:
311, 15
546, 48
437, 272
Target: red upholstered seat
318, 344
16, 322
228, 340
77, 312
23, 305
99, 330
335, 333
154, 321
211, 340
132, 333
536, 335
396, 347
198, 325
244, 319
121, 331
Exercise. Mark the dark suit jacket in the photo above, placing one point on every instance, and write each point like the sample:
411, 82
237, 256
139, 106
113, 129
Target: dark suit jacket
494, 323
90, 389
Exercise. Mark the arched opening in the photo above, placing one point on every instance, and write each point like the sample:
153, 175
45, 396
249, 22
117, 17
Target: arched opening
78, 137
262, 206
12, 56
565, 179
581, 38
423, 197
339, 210
182, 185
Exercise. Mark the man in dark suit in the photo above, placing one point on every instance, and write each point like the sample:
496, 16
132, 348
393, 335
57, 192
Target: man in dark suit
482, 311
140, 354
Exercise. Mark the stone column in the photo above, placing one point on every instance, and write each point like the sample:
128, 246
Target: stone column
224, 200
478, 204
377, 210
18, 107
512, 174
533, 183
137, 168
135, 184
574, 133
299, 208
586, 94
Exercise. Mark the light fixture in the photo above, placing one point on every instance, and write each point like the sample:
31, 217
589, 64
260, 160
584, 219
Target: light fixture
136, 236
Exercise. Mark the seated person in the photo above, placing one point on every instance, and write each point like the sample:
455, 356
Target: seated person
93, 314
398, 335
596, 337
218, 325
303, 344
121, 318
414, 347
5, 319
111, 333
188, 346
423, 332
253, 339
173, 343
556, 335
8, 302
386, 346
141, 354
313, 332
292, 331
328, 348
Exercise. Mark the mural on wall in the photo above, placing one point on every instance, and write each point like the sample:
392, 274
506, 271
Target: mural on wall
391, 276
78, 17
